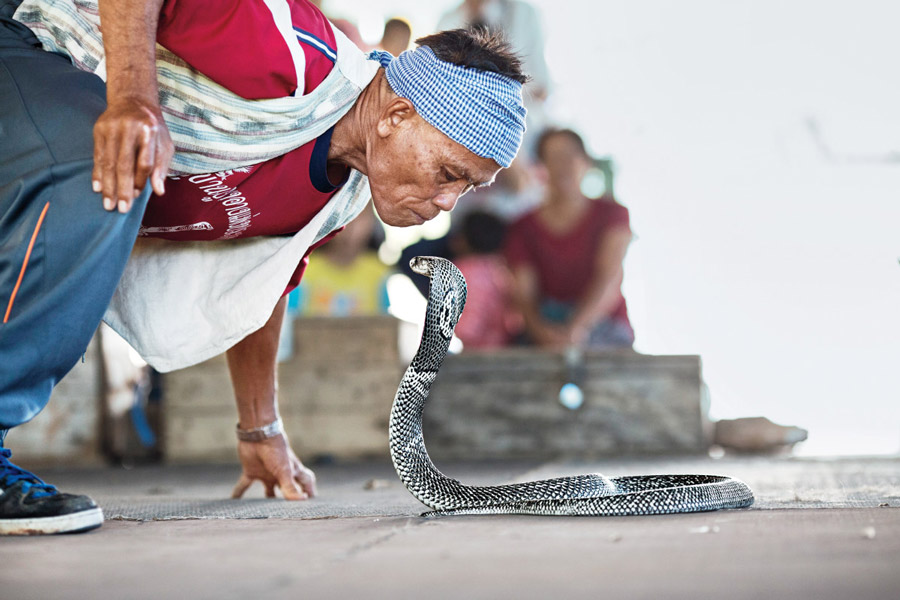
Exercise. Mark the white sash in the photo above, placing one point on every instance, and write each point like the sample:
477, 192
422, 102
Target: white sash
180, 303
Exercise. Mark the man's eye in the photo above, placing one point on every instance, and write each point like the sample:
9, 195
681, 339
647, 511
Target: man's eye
448, 176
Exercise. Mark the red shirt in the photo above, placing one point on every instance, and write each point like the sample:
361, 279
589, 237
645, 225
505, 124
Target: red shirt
242, 45
565, 264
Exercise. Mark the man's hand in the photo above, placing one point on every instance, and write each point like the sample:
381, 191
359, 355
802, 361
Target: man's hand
131, 144
252, 365
274, 463
131, 141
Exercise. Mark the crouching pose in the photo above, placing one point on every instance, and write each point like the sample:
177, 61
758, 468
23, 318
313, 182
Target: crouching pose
229, 143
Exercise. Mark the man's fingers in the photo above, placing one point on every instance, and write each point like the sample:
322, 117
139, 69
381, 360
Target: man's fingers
241, 487
105, 150
163, 158
290, 490
157, 180
307, 480
97, 172
146, 155
131, 145
270, 489
125, 168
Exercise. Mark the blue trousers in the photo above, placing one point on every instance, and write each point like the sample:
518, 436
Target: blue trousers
61, 253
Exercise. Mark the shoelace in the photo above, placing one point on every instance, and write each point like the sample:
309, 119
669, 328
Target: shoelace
10, 474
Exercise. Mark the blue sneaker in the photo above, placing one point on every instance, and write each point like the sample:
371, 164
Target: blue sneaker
28, 506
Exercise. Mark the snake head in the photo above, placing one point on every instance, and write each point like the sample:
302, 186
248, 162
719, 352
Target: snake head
423, 265
447, 291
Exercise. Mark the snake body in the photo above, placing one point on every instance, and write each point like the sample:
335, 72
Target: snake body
592, 494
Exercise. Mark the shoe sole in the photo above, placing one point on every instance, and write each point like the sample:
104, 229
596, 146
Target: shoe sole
84, 520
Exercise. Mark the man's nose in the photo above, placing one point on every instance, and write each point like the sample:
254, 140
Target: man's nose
446, 201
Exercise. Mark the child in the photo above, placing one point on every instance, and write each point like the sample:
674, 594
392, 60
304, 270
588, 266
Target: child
488, 320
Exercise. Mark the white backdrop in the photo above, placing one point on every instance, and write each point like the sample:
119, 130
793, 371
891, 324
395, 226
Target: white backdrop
758, 149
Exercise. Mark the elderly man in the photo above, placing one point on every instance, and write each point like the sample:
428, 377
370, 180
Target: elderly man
244, 137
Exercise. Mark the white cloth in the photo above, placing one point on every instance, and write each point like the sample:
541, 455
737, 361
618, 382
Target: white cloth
481, 110
521, 23
180, 303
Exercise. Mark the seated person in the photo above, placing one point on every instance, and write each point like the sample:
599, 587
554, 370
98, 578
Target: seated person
345, 277
566, 256
489, 320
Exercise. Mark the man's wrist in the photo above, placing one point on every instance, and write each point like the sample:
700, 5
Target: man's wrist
262, 433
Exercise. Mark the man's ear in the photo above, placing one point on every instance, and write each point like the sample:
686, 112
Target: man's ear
397, 112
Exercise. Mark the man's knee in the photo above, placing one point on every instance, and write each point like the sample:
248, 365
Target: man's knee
59, 102
66, 118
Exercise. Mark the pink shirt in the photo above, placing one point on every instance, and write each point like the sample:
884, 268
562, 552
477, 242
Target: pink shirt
489, 320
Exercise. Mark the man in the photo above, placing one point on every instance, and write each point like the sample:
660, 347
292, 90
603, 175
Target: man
271, 138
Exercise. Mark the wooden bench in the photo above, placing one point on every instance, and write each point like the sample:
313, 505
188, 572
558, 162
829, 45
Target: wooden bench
506, 404
336, 394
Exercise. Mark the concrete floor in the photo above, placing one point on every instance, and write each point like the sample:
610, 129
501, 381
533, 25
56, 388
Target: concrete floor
818, 530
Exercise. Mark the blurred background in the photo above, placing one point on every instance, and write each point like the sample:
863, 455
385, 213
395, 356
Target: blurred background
757, 148
747, 155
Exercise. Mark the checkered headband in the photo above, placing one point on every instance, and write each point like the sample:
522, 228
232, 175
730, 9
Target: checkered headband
481, 110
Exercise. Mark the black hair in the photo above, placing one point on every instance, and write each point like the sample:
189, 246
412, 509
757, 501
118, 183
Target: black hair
552, 131
483, 232
476, 48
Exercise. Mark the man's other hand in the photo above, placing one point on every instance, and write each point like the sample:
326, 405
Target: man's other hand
274, 463
131, 144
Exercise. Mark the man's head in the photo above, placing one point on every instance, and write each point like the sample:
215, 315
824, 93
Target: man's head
453, 118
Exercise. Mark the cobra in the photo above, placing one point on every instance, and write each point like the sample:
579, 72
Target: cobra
592, 494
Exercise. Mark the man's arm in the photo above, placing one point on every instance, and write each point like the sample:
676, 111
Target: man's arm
603, 291
252, 363
131, 141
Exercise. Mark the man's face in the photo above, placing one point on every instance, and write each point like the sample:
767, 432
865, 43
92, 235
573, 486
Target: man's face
415, 171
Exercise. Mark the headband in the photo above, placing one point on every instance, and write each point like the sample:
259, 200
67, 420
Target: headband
482, 110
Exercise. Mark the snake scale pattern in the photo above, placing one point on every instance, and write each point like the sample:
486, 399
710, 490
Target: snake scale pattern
578, 495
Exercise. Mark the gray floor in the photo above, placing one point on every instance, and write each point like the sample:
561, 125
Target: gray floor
819, 529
